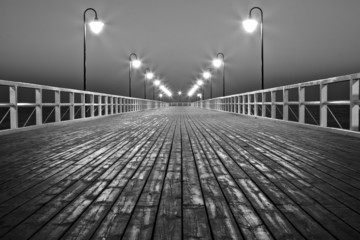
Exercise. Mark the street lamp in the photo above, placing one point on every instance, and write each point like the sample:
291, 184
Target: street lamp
133, 63
179, 93
207, 75
96, 27
250, 25
201, 83
217, 62
156, 83
148, 76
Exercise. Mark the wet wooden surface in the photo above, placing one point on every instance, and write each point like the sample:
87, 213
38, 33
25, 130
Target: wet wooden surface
179, 173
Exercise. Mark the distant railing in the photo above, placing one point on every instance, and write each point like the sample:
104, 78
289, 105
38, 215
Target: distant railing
179, 104
332, 102
24, 104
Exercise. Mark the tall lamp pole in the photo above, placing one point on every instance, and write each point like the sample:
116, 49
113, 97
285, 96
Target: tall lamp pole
156, 83
148, 76
217, 62
133, 62
250, 25
96, 27
206, 76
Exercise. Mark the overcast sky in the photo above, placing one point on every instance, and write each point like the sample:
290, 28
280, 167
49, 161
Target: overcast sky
41, 41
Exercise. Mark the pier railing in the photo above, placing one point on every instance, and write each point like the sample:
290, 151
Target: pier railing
24, 104
332, 102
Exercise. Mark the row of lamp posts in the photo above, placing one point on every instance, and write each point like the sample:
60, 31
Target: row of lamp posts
96, 26
249, 25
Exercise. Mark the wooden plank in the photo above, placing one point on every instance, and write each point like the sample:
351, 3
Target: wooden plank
49, 210
169, 216
195, 216
141, 225
116, 220
179, 173
247, 219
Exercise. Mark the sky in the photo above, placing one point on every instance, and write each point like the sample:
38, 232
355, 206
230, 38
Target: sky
41, 42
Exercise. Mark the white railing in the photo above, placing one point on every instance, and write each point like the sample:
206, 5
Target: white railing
64, 104
179, 104
291, 103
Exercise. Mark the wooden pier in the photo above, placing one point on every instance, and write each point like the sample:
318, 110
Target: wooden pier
179, 173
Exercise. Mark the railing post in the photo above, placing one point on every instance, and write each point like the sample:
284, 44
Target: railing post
13, 107
57, 106
121, 105
234, 104
354, 104
263, 105
111, 105
255, 104
323, 104
83, 105
285, 104
106, 106
100, 105
116, 105
38, 108
92, 105
239, 104
301, 104
273, 104
72, 105
249, 104
243, 104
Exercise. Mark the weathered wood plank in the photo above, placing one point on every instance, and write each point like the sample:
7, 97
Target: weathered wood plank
179, 173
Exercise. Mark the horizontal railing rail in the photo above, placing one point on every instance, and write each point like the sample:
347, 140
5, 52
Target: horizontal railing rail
64, 104
291, 103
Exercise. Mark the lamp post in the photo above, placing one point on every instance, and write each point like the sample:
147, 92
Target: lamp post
96, 27
156, 83
148, 76
179, 93
250, 25
217, 62
201, 83
206, 76
136, 63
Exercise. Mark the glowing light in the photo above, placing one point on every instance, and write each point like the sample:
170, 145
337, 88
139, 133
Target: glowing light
149, 75
160, 95
165, 90
217, 62
200, 82
206, 75
179, 92
136, 63
250, 25
199, 95
157, 82
193, 90
96, 26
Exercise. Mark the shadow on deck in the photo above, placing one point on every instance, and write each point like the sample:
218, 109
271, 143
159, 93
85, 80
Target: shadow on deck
179, 173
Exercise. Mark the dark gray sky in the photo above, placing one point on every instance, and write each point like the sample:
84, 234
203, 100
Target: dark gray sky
41, 42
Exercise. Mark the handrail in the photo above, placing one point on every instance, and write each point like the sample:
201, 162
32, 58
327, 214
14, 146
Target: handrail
244, 103
108, 103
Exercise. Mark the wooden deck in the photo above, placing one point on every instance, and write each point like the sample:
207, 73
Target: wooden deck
179, 173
